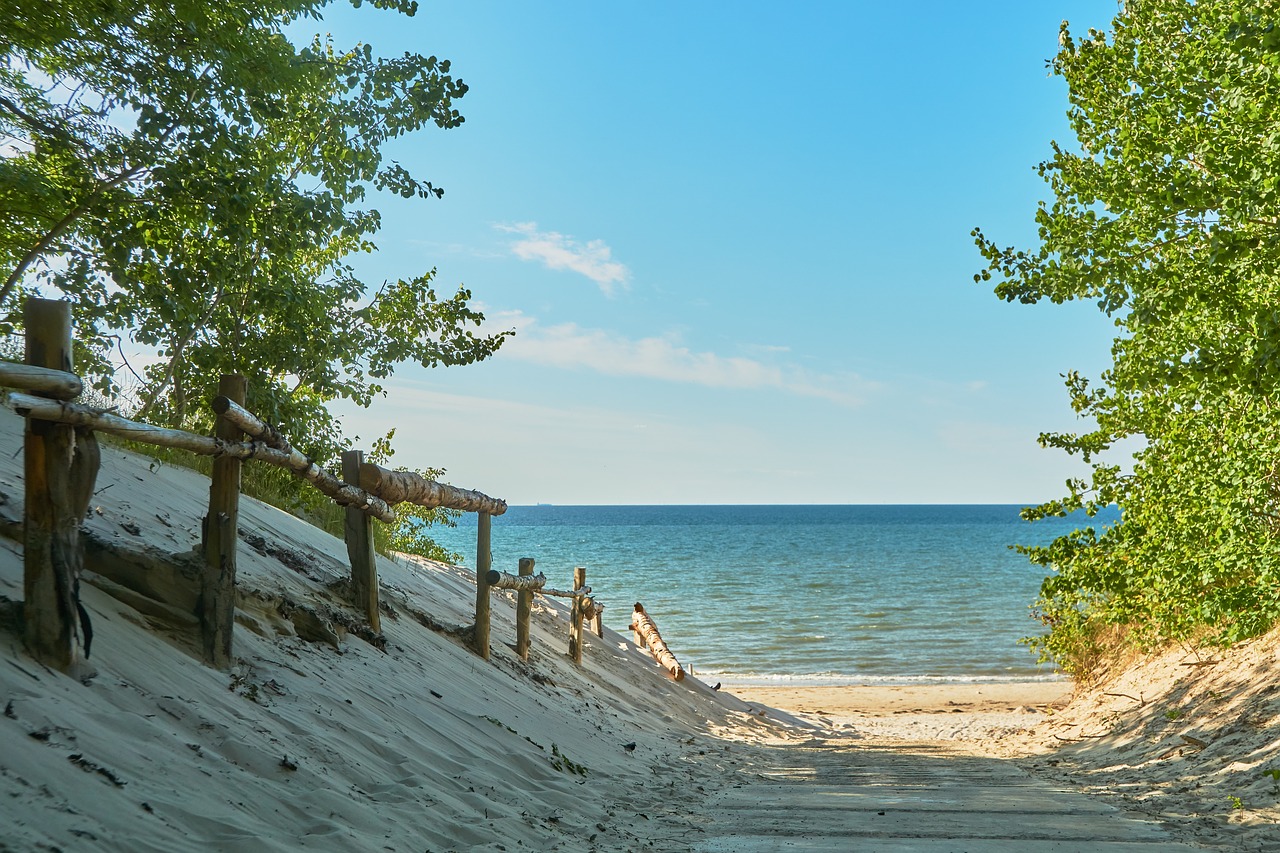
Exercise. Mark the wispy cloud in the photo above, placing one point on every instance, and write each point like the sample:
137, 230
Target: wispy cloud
570, 346
561, 252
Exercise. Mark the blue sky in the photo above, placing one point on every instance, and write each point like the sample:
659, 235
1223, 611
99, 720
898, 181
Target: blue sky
733, 240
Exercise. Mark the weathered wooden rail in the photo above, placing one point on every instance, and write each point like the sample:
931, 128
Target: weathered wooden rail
39, 408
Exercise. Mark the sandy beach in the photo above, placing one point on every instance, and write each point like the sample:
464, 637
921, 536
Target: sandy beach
1188, 737
325, 736
863, 700
916, 712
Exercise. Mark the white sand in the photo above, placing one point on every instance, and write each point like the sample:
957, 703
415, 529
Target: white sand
339, 746
1188, 737
331, 744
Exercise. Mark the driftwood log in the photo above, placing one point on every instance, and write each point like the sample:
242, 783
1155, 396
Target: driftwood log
40, 408
45, 381
407, 487
647, 632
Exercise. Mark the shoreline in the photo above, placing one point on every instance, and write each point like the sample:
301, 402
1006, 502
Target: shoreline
968, 716
878, 700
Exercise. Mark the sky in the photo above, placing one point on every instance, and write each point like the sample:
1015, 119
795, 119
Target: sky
733, 240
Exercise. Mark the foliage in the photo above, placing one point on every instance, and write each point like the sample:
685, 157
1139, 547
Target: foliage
1168, 216
187, 176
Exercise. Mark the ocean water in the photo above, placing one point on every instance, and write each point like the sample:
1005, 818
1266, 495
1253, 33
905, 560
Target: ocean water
814, 594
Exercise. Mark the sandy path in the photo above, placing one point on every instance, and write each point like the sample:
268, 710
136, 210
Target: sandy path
844, 795
912, 768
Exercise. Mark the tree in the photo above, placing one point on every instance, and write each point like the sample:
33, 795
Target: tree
1168, 216
186, 175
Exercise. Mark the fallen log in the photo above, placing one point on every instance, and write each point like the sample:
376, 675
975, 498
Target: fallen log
407, 487
520, 583
41, 380
70, 413
647, 631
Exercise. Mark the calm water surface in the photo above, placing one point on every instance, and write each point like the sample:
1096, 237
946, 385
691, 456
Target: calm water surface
822, 594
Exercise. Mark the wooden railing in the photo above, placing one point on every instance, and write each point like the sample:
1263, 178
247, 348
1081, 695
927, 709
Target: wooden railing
526, 584
61, 465
61, 462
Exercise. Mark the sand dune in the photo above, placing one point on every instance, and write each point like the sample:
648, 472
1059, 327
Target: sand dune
327, 742
323, 736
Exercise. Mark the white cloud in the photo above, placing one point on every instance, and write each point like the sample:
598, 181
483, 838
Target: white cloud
560, 252
569, 346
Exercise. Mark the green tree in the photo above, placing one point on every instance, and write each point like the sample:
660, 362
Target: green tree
1167, 214
187, 176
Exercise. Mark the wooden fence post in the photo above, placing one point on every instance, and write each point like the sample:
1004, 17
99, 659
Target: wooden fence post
484, 559
221, 526
61, 464
359, 536
575, 616
524, 607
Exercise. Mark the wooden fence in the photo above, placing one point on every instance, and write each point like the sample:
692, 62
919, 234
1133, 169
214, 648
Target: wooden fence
61, 459
526, 584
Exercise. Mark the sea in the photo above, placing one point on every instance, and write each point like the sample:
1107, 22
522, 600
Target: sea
818, 595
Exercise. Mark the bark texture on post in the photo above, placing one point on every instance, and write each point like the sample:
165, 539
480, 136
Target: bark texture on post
358, 529
524, 608
61, 465
647, 631
575, 616
484, 558
218, 581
